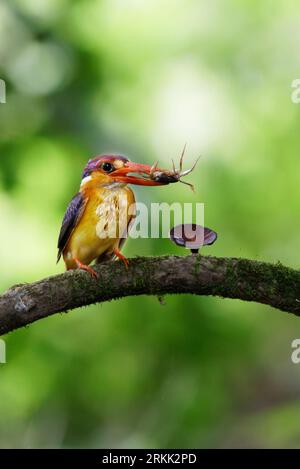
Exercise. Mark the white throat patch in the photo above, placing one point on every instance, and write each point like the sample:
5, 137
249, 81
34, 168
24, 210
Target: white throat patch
85, 180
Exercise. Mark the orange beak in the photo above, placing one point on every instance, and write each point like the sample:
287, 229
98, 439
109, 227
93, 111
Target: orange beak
126, 174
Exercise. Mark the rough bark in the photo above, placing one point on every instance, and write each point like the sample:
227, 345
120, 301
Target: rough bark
244, 279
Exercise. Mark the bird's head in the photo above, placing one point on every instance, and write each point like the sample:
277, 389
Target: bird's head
109, 169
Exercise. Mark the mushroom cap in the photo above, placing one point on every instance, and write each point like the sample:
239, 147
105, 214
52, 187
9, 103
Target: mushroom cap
192, 236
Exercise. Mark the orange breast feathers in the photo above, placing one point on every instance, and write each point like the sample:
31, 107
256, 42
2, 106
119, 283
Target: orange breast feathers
103, 225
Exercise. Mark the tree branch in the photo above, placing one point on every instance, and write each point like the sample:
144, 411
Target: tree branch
244, 279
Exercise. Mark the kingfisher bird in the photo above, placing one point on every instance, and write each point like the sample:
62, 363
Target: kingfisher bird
104, 199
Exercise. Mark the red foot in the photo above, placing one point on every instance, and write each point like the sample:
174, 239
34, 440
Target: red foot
87, 268
121, 257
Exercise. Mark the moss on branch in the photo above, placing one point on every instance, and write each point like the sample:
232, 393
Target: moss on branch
244, 279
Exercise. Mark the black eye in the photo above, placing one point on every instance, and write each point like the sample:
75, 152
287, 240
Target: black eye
108, 167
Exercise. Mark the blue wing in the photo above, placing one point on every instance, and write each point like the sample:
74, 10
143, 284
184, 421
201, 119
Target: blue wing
72, 216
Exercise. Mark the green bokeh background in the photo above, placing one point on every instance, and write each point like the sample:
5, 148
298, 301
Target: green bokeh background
142, 78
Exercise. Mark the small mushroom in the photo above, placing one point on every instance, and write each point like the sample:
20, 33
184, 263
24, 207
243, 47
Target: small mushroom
192, 236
